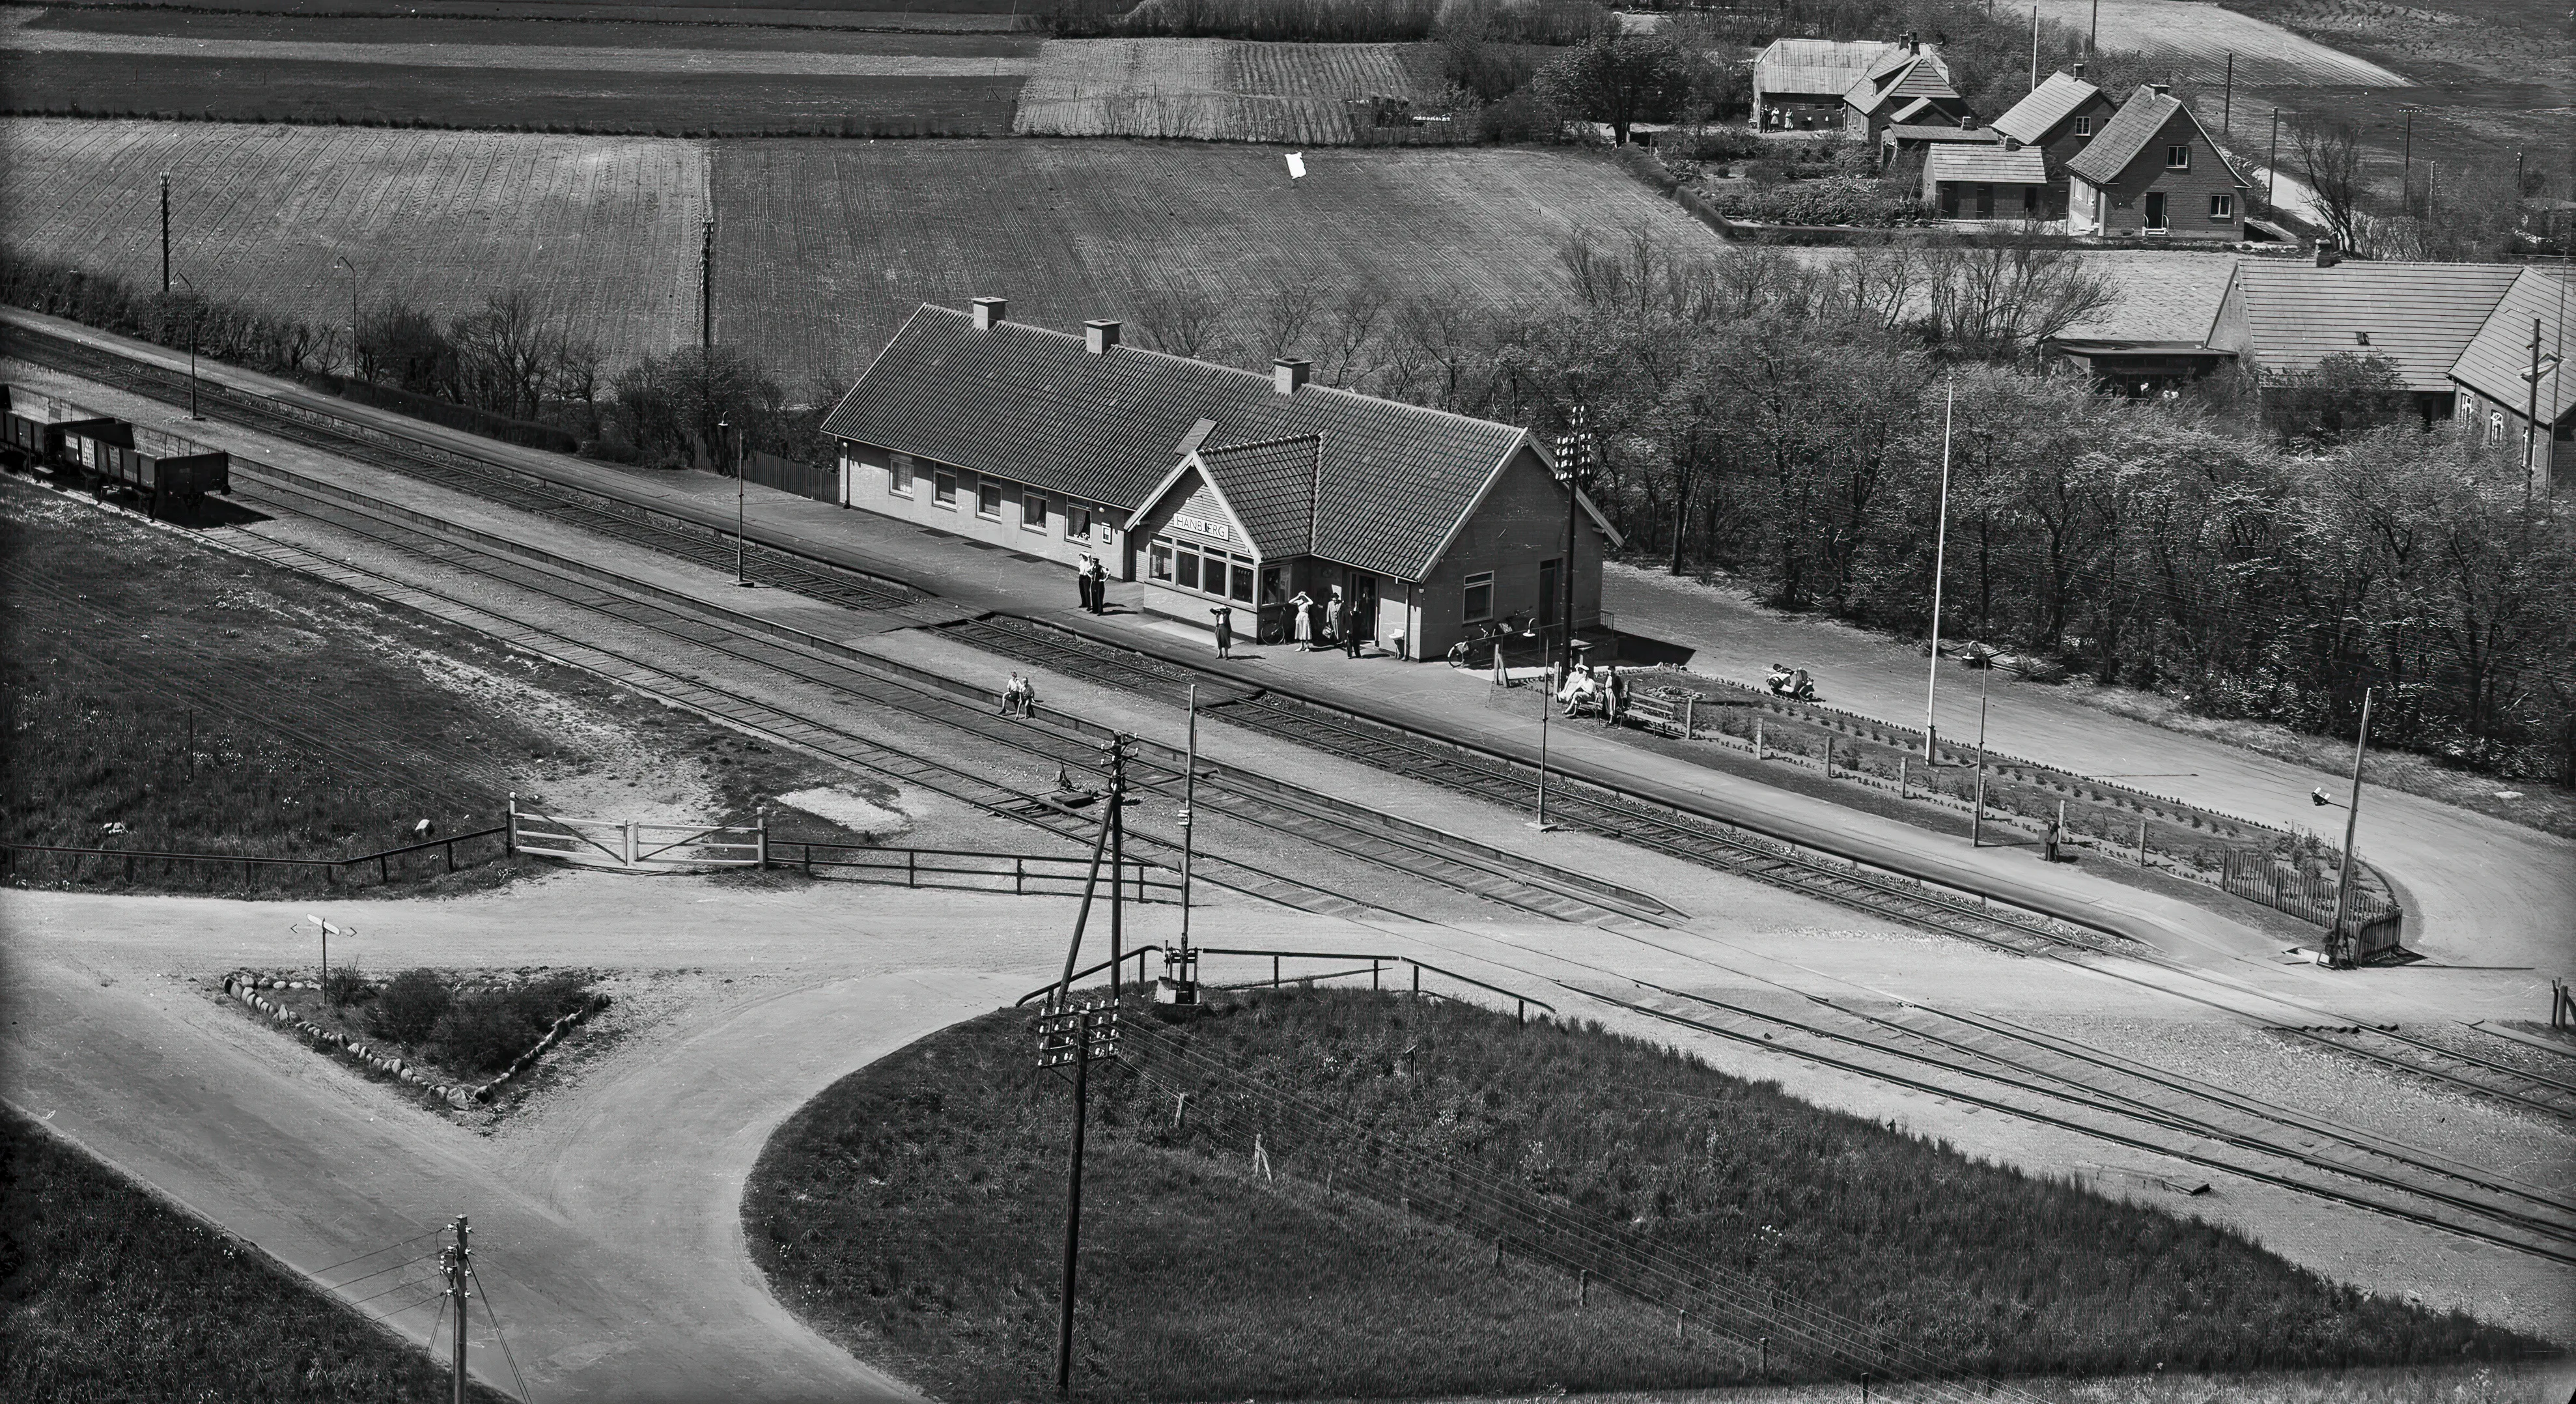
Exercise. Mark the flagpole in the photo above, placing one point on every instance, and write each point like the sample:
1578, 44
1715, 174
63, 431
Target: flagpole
1940, 559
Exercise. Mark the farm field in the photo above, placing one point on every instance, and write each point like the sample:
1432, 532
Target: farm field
1218, 89
604, 229
935, 15
2196, 39
827, 246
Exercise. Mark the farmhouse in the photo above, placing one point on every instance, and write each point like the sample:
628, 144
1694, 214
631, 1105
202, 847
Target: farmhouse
2058, 119
1212, 486
1798, 84
1910, 86
2009, 181
2284, 318
2152, 170
2513, 374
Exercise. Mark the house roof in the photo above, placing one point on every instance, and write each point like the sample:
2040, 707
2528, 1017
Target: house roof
2499, 356
2421, 316
1035, 406
1272, 488
2047, 105
1828, 66
1921, 76
1984, 136
2130, 132
1986, 163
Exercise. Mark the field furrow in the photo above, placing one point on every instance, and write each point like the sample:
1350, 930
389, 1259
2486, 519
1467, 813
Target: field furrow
2196, 39
1209, 89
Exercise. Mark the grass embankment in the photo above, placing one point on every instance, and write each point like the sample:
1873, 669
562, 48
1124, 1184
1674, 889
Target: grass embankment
108, 1293
915, 1209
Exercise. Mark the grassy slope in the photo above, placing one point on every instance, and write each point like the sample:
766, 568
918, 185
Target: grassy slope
107, 1293
828, 246
914, 1208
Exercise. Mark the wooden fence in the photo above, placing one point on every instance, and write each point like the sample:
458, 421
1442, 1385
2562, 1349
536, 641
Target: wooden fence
636, 845
820, 481
969, 870
140, 862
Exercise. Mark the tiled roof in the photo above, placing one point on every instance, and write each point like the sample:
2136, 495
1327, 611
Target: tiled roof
2499, 356
2046, 106
2131, 130
1974, 136
1035, 406
1986, 163
2420, 315
1817, 65
1271, 487
1920, 77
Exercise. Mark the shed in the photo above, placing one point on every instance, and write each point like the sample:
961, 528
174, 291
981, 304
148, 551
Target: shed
1799, 83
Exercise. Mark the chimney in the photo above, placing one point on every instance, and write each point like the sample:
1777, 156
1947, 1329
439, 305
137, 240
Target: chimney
1099, 336
2012, 143
2160, 89
1913, 42
1967, 121
2327, 254
1286, 375
2079, 68
988, 312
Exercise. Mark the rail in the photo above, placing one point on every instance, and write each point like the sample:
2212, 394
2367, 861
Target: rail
1376, 969
251, 863
1027, 875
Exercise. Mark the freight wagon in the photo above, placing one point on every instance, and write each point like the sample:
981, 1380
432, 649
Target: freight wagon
110, 454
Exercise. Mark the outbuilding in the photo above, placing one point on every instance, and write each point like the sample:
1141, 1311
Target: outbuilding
1215, 487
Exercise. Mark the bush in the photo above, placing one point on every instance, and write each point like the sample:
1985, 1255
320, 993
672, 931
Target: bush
410, 1006
487, 1029
1835, 200
1711, 144
1522, 117
347, 985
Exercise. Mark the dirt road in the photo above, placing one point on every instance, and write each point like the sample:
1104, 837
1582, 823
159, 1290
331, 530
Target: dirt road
2479, 891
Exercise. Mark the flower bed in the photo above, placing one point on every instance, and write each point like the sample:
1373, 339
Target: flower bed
424, 1061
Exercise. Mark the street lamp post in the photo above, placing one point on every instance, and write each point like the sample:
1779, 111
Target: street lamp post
1940, 559
724, 429
196, 318
2339, 945
1985, 681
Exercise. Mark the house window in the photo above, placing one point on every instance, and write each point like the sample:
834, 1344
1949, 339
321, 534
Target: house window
2178, 158
2495, 427
2084, 126
1480, 598
988, 499
899, 476
1160, 560
943, 488
1077, 522
2222, 207
1188, 572
1033, 511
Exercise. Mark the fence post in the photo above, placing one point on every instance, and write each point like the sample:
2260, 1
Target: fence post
1583, 1287
451, 855
632, 846
1690, 705
764, 838
384, 868
1902, 765
1019, 875
1372, 972
1757, 738
1520, 1011
806, 852
1417, 977
1274, 972
510, 831
2142, 843
912, 867
1829, 755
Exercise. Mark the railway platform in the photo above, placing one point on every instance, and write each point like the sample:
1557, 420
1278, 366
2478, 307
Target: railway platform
968, 579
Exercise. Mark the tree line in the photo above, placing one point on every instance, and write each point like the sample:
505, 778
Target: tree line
2256, 549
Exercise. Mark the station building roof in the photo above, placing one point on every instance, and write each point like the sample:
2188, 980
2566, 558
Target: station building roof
1386, 485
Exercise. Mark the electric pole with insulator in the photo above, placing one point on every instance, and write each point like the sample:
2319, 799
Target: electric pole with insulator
457, 1260
707, 287
1115, 756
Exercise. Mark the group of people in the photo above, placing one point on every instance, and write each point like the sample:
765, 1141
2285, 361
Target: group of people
1019, 696
1091, 581
1324, 623
1584, 685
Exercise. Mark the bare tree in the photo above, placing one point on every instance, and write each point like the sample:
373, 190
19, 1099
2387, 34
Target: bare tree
2002, 296
2329, 155
1356, 325
507, 348
1283, 317
1182, 322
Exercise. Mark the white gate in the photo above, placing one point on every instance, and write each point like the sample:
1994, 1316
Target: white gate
636, 846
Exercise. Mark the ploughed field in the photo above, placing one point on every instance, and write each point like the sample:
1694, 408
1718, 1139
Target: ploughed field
2196, 39
594, 77
825, 247
1224, 90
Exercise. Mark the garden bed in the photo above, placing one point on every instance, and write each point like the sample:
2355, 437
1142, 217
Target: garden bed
462, 1041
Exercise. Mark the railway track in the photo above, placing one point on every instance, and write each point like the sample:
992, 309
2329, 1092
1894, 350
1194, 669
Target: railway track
2064, 1083
2450, 1068
1327, 822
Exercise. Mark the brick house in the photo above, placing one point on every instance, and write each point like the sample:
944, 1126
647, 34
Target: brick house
2005, 182
2498, 396
1908, 87
2153, 171
2058, 119
2279, 316
1213, 486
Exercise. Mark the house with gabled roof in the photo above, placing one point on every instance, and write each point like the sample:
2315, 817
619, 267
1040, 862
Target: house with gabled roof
2004, 182
2152, 171
1909, 87
2058, 119
1214, 487
2513, 375
1798, 84
2281, 317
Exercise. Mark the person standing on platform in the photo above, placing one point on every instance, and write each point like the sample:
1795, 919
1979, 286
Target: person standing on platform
1082, 581
1610, 696
1224, 631
1301, 624
1099, 586
1351, 629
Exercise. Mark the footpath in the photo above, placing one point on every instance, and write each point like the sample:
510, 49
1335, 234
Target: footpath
974, 578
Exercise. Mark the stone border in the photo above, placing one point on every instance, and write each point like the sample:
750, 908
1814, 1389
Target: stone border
245, 984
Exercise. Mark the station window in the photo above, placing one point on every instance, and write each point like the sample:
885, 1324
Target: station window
1480, 598
2178, 158
2222, 207
2084, 126
988, 500
1033, 511
1077, 522
1186, 568
943, 488
1239, 587
1160, 560
899, 476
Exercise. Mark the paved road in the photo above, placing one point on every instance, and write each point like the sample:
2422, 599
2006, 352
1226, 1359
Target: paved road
2479, 891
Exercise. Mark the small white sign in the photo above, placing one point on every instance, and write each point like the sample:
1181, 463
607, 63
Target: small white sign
1296, 165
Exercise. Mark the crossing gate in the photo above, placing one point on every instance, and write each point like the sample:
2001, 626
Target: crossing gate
636, 846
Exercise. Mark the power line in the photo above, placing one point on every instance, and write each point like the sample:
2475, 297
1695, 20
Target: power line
354, 1281
477, 1279
362, 1257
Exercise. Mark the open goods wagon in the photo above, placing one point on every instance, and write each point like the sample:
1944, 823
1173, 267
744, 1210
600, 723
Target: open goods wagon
109, 453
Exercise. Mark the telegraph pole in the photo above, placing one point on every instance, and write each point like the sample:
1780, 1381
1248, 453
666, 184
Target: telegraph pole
1940, 560
2406, 165
2531, 417
1576, 470
1070, 1037
1119, 746
1180, 981
165, 232
2227, 103
457, 1260
2272, 169
1985, 683
707, 287
2340, 953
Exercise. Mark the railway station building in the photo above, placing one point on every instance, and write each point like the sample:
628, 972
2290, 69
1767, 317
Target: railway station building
1214, 487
